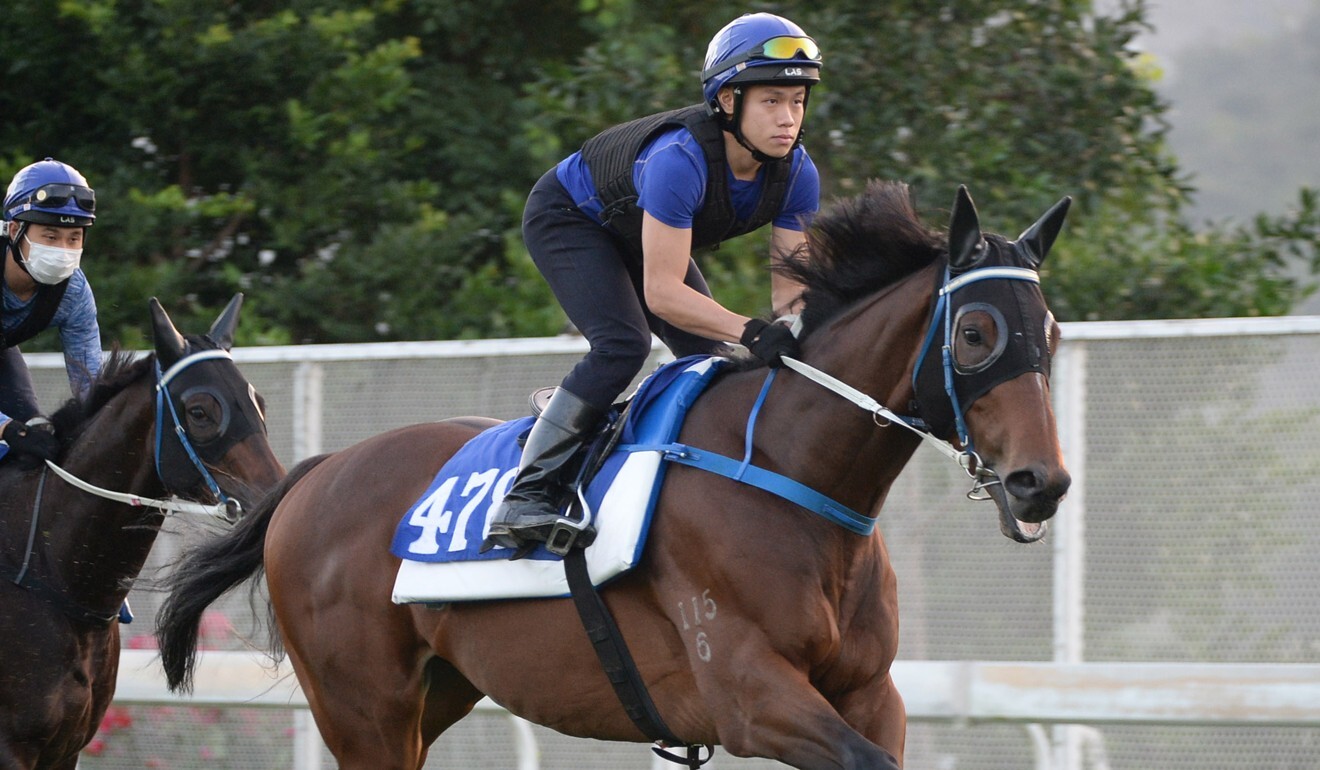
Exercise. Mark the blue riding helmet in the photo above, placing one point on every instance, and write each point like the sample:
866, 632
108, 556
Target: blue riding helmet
759, 48
49, 192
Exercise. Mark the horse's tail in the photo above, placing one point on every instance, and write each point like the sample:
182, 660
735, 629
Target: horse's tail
207, 572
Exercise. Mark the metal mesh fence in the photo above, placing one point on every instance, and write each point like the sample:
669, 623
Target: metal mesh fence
1199, 496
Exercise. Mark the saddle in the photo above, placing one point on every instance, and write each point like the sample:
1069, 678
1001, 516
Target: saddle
614, 491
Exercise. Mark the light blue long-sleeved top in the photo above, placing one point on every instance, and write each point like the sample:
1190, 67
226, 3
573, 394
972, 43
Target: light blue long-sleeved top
80, 334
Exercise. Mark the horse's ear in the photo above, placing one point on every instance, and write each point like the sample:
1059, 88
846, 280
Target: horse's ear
222, 331
966, 246
170, 345
1036, 241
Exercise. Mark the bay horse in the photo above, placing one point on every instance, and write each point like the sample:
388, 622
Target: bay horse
754, 624
69, 556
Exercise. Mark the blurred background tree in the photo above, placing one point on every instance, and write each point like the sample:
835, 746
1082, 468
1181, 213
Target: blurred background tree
358, 168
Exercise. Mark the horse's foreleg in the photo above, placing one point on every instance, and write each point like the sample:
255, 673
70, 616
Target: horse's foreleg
878, 713
778, 714
449, 698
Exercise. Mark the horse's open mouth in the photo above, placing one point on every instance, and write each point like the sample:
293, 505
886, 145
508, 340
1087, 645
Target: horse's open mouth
1013, 527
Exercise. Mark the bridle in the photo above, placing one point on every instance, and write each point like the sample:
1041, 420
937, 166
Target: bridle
233, 509
941, 319
227, 508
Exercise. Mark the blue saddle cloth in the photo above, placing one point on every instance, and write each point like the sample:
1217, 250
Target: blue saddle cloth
449, 522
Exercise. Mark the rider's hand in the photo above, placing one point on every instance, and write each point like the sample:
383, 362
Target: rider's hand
37, 442
769, 341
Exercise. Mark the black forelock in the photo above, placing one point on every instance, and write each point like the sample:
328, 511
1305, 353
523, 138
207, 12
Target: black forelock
858, 246
121, 369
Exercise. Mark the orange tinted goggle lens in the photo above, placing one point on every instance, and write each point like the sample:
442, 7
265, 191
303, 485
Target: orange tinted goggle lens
789, 47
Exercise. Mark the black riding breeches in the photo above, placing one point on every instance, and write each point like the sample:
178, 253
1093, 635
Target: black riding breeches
599, 285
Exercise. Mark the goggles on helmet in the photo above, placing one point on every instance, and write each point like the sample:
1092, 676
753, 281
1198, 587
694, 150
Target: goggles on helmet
57, 196
776, 48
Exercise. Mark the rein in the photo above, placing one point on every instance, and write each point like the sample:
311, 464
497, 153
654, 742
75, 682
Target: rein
225, 510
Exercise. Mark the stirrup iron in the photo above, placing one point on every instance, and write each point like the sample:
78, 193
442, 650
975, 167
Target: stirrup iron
566, 532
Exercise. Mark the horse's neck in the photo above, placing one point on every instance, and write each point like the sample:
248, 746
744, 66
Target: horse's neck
824, 440
96, 544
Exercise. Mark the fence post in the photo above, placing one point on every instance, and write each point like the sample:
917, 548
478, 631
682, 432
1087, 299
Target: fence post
1068, 526
308, 381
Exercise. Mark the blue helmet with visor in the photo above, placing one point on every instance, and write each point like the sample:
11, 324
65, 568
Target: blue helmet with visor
49, 192
758, 48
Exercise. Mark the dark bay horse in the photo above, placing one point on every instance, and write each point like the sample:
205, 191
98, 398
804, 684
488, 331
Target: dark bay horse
754, 624
70, 556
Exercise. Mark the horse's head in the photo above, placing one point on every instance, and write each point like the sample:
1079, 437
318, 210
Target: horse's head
210, 421
984, 373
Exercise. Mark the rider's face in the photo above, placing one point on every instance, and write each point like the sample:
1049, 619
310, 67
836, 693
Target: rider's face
771, 116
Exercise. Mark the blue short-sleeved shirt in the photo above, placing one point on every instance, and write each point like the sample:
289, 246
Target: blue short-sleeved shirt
670, 177
80, 334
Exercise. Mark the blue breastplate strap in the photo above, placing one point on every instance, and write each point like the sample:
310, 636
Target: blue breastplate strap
761, 479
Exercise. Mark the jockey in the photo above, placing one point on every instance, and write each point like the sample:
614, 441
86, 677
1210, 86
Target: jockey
47, 210
612, 228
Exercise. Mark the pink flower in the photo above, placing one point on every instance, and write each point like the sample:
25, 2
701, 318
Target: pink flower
116, 718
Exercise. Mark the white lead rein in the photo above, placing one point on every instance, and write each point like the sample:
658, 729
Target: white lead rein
219, 510
878, 411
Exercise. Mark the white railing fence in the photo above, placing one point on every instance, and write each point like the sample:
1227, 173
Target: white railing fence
959, 693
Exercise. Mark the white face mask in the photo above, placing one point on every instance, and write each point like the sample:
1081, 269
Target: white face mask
50, 264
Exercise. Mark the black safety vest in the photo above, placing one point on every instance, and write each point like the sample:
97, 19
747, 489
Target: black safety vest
610, 156
45, 303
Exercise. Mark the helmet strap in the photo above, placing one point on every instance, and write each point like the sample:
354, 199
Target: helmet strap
15, 244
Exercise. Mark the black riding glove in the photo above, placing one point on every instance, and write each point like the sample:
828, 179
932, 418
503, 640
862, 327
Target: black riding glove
37, 442
768, 341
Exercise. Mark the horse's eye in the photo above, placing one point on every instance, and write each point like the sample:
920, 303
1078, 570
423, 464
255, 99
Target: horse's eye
981, 335
205, 415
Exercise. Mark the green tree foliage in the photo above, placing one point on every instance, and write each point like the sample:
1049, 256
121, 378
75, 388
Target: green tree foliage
358, 168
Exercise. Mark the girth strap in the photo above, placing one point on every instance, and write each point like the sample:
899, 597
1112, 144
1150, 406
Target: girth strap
618, 663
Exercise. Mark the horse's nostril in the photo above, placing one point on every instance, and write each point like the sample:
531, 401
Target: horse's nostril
1024, 484
1029, 483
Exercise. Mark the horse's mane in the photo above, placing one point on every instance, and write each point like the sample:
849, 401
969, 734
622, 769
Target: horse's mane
120, 370
858, 246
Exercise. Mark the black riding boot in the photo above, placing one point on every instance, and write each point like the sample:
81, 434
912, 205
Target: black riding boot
531, 507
